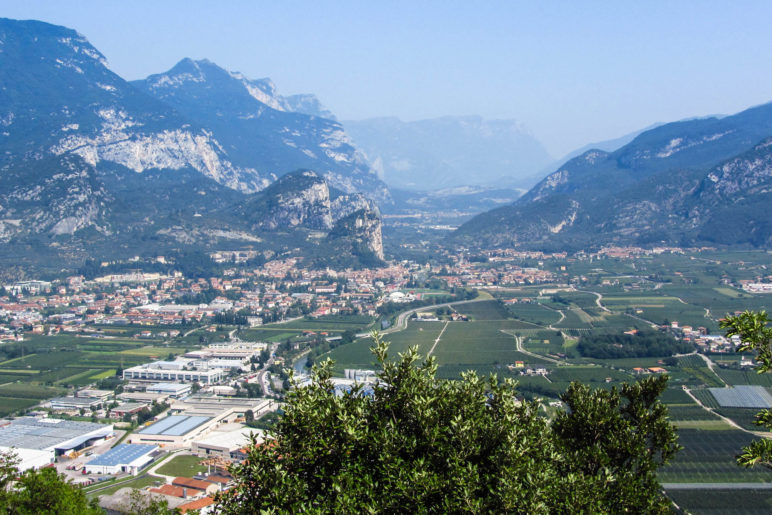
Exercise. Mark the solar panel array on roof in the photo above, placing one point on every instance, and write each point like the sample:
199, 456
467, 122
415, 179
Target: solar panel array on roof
742, 397
186, 426
162, 425
123, 454
175, 425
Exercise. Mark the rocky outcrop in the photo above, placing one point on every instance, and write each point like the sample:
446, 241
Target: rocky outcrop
359, 233
301, 199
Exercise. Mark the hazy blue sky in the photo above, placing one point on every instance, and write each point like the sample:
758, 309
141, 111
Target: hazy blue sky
574, 72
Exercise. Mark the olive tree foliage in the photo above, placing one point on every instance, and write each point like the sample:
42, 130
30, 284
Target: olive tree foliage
755, 335
42, 491
418, 444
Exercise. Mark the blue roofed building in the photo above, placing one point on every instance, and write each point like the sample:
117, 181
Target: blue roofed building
125, 457
174, 430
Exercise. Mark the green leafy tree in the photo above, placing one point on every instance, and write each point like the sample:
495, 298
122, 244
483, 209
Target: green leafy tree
615, 441
142, 504
41, 491
419, 444
756, 335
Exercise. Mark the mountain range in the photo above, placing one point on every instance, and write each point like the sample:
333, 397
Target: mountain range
92, 165
198, 157
696, 182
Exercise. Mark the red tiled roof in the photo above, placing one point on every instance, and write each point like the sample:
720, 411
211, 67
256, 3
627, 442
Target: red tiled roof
191, 483
195, 505
174, 491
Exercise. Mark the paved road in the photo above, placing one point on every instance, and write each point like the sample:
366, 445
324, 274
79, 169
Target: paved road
263, 374
717, 486
520, 348
598, 298
722, 417
402, 318
438, 339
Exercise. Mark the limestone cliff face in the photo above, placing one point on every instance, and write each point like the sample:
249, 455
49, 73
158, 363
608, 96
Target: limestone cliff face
297, 200
359, 233
302, 199
262, 129
344, 205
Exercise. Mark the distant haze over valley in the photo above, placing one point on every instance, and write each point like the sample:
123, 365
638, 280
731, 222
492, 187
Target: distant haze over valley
450, 151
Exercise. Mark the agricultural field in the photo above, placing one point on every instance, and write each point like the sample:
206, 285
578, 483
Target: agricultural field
358, 355
533, 313
16, 396
743, 377
479, 343
51, 365
332, 325
709, 457
746, 501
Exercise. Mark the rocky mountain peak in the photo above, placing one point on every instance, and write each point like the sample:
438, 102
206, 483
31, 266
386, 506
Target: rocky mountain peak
262, 129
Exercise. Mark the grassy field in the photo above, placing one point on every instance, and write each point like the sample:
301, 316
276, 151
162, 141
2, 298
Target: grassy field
185, 466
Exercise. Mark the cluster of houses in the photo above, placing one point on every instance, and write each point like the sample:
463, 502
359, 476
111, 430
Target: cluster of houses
273, 291
703, 341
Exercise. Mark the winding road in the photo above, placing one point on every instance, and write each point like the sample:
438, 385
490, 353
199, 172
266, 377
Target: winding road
725, 419
521, 349
402, 318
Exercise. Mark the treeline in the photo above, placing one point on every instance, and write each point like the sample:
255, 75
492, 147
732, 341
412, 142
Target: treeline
148, 414
206, 296
192, 263
322, 346
640, 345
229, 318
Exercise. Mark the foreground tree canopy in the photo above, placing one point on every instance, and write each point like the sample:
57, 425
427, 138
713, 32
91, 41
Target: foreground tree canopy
755, 335
41, 491
422, 445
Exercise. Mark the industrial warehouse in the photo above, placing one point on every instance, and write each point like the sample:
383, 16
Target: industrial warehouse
196, 416
53, 437
129, 458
